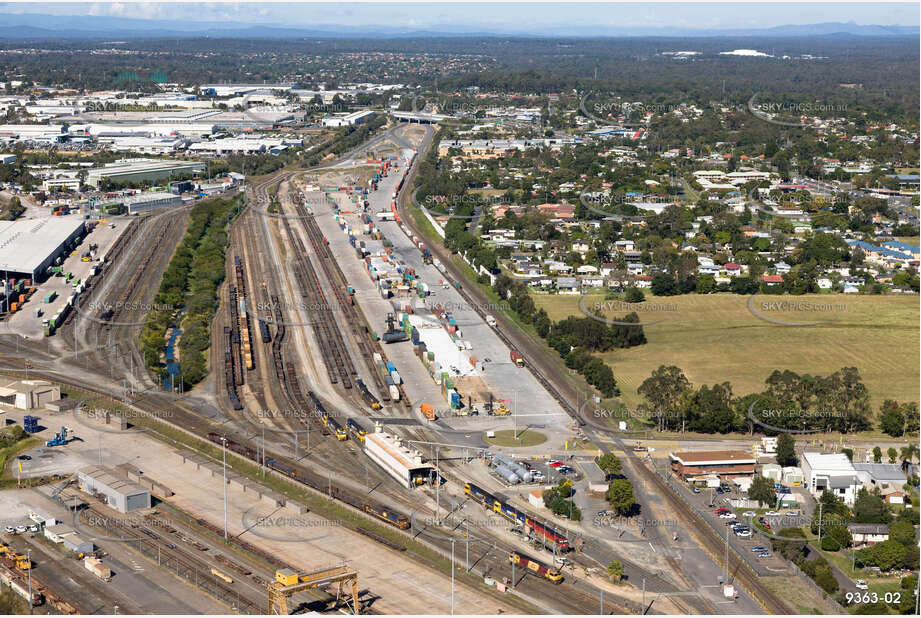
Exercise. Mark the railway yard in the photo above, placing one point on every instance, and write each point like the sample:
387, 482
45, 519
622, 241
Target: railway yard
351, 386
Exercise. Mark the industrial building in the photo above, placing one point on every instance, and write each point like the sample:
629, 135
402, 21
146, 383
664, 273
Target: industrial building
7, 159
28, 247
229, 90
831, 471
696, 466
144, 202
139, 170
62, 533
118, 492
398, 459
345, 120
29, 394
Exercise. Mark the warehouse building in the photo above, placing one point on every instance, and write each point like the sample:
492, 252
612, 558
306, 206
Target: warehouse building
29, 394
397, 458
119, 493
140, 170
28, 247
345, 120
144, 202
66, 535
833, 472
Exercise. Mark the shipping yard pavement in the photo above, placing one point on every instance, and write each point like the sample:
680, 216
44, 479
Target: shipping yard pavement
137, 586
535, 407
304, 540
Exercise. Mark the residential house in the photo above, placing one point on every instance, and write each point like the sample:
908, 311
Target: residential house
772, 280
733, 269
863, 535
567, 285
592, 282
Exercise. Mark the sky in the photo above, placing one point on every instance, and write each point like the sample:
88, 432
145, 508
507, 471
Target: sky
496, 15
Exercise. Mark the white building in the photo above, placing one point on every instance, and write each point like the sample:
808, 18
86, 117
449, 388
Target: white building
397, 458
831, 471
343, 120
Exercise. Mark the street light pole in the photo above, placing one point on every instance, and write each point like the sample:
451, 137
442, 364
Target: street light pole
452, 576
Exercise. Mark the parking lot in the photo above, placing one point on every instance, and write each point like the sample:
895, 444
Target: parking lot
740, 525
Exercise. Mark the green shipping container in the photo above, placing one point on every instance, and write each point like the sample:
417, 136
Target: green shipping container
431, 356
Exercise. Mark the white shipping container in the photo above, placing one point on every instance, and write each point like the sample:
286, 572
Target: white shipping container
395, 375
394, 392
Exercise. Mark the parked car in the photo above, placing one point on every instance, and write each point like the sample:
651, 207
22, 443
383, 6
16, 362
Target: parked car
20, 529
695, 489
744, 533
727, 515
758, 548
861, 585
34, 528
749, 513
772, 514
719, 490
10, 529
764, 554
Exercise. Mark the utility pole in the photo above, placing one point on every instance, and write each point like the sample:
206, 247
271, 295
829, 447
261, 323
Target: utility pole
224, 456
643, 609
820, 524
452, 576
29, 558
467, 535
727, 555
601, 608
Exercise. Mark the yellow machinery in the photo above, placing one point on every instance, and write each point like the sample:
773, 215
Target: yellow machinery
21, 560
502, 410
288, 582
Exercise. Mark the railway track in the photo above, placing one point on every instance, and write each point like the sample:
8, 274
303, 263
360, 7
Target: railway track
168, 554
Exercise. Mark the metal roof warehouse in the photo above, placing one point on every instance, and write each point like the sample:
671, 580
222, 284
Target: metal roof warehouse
29, 246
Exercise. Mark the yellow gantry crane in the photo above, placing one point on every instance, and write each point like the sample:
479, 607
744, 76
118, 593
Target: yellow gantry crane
288, 582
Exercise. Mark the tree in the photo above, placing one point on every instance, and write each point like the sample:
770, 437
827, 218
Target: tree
786, 450
870, 508
892, 454
886, 555
634, 295
902, 532
610, 464
663, 390
891, 419
615, 570
762, 490
620, 496
877, 454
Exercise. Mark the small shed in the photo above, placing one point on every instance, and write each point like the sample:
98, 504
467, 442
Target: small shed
772, 471
793, 475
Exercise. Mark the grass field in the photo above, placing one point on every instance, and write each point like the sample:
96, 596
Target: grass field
526, 437
715, 338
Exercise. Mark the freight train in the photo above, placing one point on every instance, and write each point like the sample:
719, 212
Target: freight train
334, 426
536, 567
369, 398
517, 517
264, 331
358, 432
384, 513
